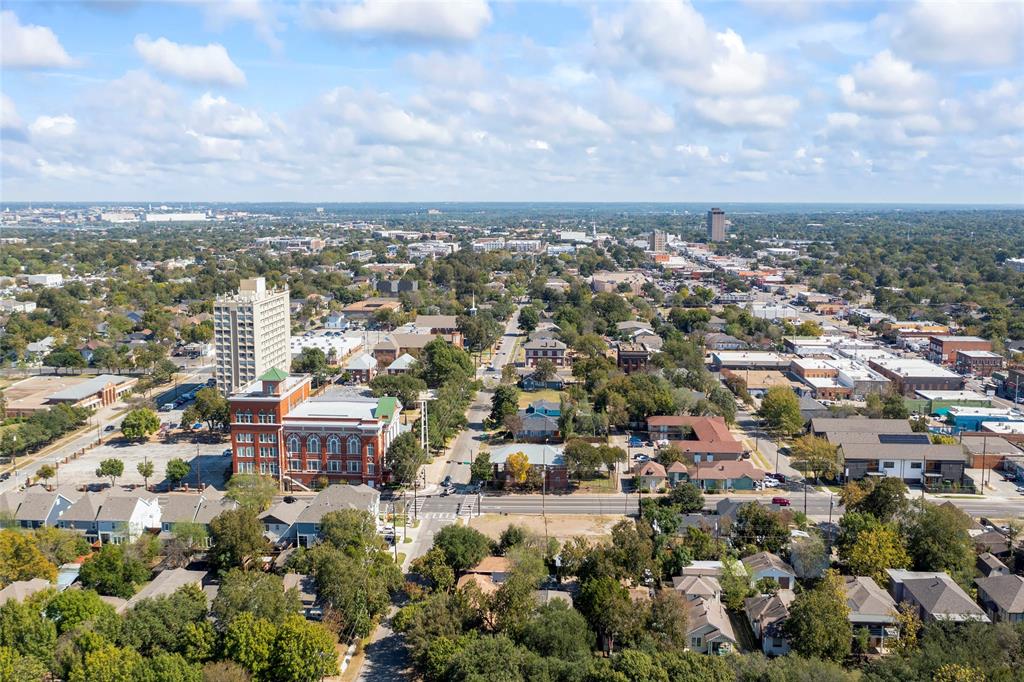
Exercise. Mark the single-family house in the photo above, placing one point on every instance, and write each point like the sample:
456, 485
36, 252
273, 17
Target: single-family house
548, 408
334, 498
81, 516
989, 565
537, 426
769, 565
936, 596
651, 475
40, 507
1002, 597
362, 368
871, 608
165, 583
20, 590
727, 475
305, 587
545, 349
279, 521
545, 460
124, 518
677, 473
709, 629
702, 439
767, 614
402, 364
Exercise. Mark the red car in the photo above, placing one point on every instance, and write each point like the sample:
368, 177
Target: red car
780, 501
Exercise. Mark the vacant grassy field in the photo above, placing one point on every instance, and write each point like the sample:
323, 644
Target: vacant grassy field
527, 397
560, 526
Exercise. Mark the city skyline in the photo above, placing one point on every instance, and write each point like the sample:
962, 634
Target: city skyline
374, 101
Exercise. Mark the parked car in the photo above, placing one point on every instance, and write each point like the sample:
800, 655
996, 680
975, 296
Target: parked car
109, 428
636, 442
226, 453
781, 478
642, 459
447, 482
770, 483
780, 501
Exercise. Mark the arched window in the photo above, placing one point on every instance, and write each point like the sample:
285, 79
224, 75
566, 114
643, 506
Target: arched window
354, 446
333, 445
313, 445
293, 443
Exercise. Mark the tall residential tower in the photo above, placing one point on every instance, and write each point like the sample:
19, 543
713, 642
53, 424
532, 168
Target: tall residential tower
252, 333
716, 225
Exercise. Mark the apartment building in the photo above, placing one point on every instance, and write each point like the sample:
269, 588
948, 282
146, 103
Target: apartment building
252, 334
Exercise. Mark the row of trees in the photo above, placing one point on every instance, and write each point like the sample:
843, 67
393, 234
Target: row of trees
41, 428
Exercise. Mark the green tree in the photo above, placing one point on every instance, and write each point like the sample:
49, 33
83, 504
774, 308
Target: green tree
406, 387
15, 667
237, 537
140, 423
544, 370
607, 607
352, 531
759, 526
885, 498
405, 457
735, 584
146, 470
177, 470
818, 625
481, 469
112, 469
667, 621
252, 491
46, 472
433, 567
249, 641
529, 318
24, 628
21, 559
108, 663
261, 594
303, 651
311, 361
780, 408
815, 454
557, 630
70, 608
58, 545
893, 407
875, 550
161, 623
463, 547
114, 572
937, 540
212, 408
504, 403
443, 362
809, 557
581, 457
687, 497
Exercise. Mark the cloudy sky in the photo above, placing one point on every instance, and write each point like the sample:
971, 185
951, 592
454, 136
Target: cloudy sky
420, 101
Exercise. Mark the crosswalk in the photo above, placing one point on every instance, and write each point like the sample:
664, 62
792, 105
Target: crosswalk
448, 515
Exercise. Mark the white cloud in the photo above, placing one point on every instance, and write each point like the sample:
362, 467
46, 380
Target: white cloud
261, 15
887, 85
193, 63
842, 119
673, 39
539, 145
632, 114
53, 126
445, 69
218, 117
29, 46
9, 118
376, 120
772, 111
976, 33
423, 19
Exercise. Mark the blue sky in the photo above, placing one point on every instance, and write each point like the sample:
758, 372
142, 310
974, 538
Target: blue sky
379, 100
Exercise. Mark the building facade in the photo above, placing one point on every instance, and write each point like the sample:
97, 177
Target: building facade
252, 334
943, 349
277, 430
716, 225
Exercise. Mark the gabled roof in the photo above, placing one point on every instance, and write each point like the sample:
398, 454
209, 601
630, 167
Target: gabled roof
541, 344
941, 597
336, 498
437, 321
650, 469
285, 512
403, 362
867, 601
727, 470
120, 507
768, 608
763, 561
23, 589
1006, 591
361, 362
697, 585
87, 507
492, 564
36, 506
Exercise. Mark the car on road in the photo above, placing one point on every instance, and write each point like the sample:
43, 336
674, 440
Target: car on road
447, 482
636, 442
5, 476
780, 501
109, 428
226, 453
642, 459
1020, 489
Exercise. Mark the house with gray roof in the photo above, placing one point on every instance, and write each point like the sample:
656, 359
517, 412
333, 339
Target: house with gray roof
164, 584
334, 498
913, 462
9, 503
279, 521
81, 516
20, 590
1002, 597
40, 507
767, 614
769, 565
936, 596
871, 608
402, 364
124, 518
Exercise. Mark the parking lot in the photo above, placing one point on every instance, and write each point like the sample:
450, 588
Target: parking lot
208, 464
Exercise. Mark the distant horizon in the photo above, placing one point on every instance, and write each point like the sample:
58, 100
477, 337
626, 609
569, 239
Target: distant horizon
878, 101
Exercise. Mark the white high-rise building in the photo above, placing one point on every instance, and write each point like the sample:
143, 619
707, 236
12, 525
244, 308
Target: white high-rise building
252, 333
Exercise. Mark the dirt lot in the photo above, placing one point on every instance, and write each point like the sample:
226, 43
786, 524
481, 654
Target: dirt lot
560, 526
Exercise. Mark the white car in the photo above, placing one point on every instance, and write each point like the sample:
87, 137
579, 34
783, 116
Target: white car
642, 459
770, 483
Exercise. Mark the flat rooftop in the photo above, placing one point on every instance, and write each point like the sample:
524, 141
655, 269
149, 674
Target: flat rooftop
953, 395
914, 367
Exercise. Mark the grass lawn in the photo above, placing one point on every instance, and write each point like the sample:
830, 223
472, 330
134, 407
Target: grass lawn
525, 398
597, 485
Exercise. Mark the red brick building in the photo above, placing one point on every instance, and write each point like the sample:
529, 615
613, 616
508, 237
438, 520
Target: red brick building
942, 349
277, 430
980, 363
